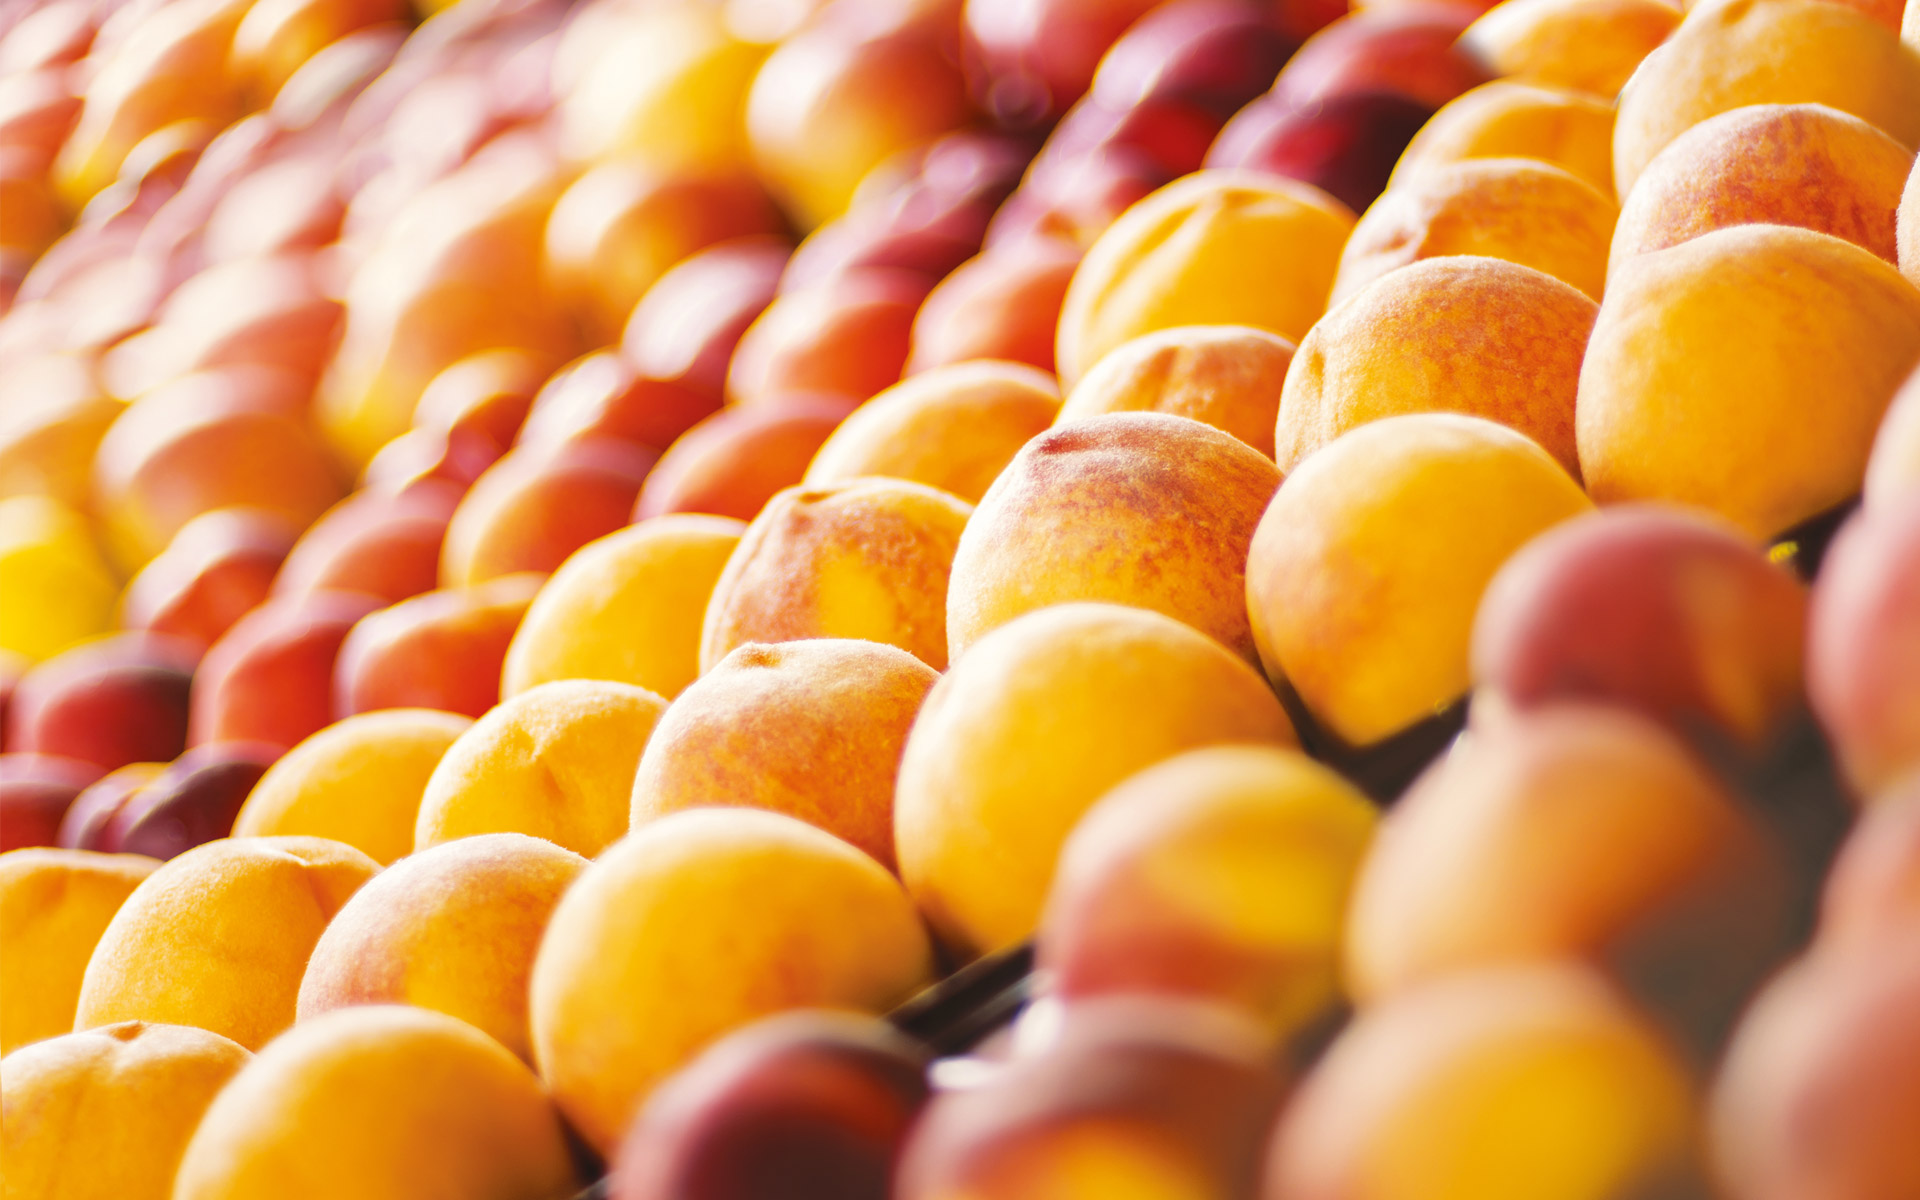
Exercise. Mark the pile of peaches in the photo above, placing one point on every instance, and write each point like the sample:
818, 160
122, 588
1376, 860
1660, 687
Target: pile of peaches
960, 600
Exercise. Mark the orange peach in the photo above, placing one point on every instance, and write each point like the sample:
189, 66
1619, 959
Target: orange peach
845, 337
217, 569
383, 544
440, 650
1226, 376
1508, 119
1002, 305
732, 463
270, 677
54, 905
1582, 45
35, 217
538, 505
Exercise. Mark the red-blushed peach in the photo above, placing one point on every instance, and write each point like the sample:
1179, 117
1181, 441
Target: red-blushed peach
866, 559
1136, 508
1216, 248
686, 327
811, 1103
1410, 52
1037, 59
270, 678
1226, 376
1430, 1093
812, 729
1873, 891
1033, 725
384, 544
105, 1114
603, 395
1220, 874
36, 792
384, 1102
54, 905
441, 650
1658, 609
555, 762
86, 819
357, 781
1346, 146
1863, 644
1522, 210
488, 393
190, 802
1582, 45
55, 587
1702, 356
217, 938
1777, 164
1366, 569
1000, 305
954, 428
277, 37
1731, 53
732, 463
1893, 468
845, 337
116, 700
538, 505
1215, 54
217, 569
1507, 119
453, 928
694, 925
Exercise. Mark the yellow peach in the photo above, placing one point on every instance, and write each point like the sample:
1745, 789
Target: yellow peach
1226, 376
1508, 119
55, 587
1581, 45
54, 905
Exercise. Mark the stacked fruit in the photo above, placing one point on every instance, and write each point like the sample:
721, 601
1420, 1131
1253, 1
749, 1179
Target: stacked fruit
560, 563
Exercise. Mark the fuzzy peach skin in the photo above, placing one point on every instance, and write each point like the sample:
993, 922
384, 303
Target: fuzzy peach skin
383, 1103
1773, 164
628, 608
1730, 53
218, 937
55, 586
1029, 729
1509, 119
54, 905
1136, 508
1474, 335
954, 428
357, 781
813, 729
555, 761
105, 1114
1522, 210
1894, 466
1695, 381
1218, 247
1226, 376
1366, 569
453, 928
864, 559
1221, 874
1588, 46
694, 925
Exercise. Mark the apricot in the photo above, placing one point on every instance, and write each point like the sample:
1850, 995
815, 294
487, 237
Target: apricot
555, 761
994, 778
358, 781
218, 937
270, 678
1226, 376
380, 1102
55, 588
694, 925
54, 905
999, 304
1873, 890
1894, 465
107, 1113
1588, 46
112, 701
866, 559
732, 463
845, 337
441, 650
954, 428
453, 928
1216, 248
218, 568
812, 729
1730, 53
1509, 119
1701, 358
538, 505
384, 544
189, 802
1366, 569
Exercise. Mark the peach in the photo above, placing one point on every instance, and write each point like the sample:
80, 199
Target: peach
1366, 569
85, 822
1481, 336
1035, 59
1588, 46
1346, 146
627, 608
867, 559
655, 951
488, 394
819, 1099
54, 904
36, 792
1873, 891
269, 311
812, 729
218, 937
994, 777
1000, 305
1775, 164
732, 463
846, 337
954, 428
1894, 465
358, 781
55, 588
56, 414
1078, 198
383, 544
1731, 53
270, 678
1411, 51
38, 107
1509, 119
440, 650
453, 929
1424, 1094
685, 328
538, 505
34, 216
276, 37
1217, 54
189, 802
113, 701
217, 569
54, 34
1277, 839
1216, 248
380, 1102
555, 761
603, 395
108, 1112
1111, 508
1701, 360
1226, 376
